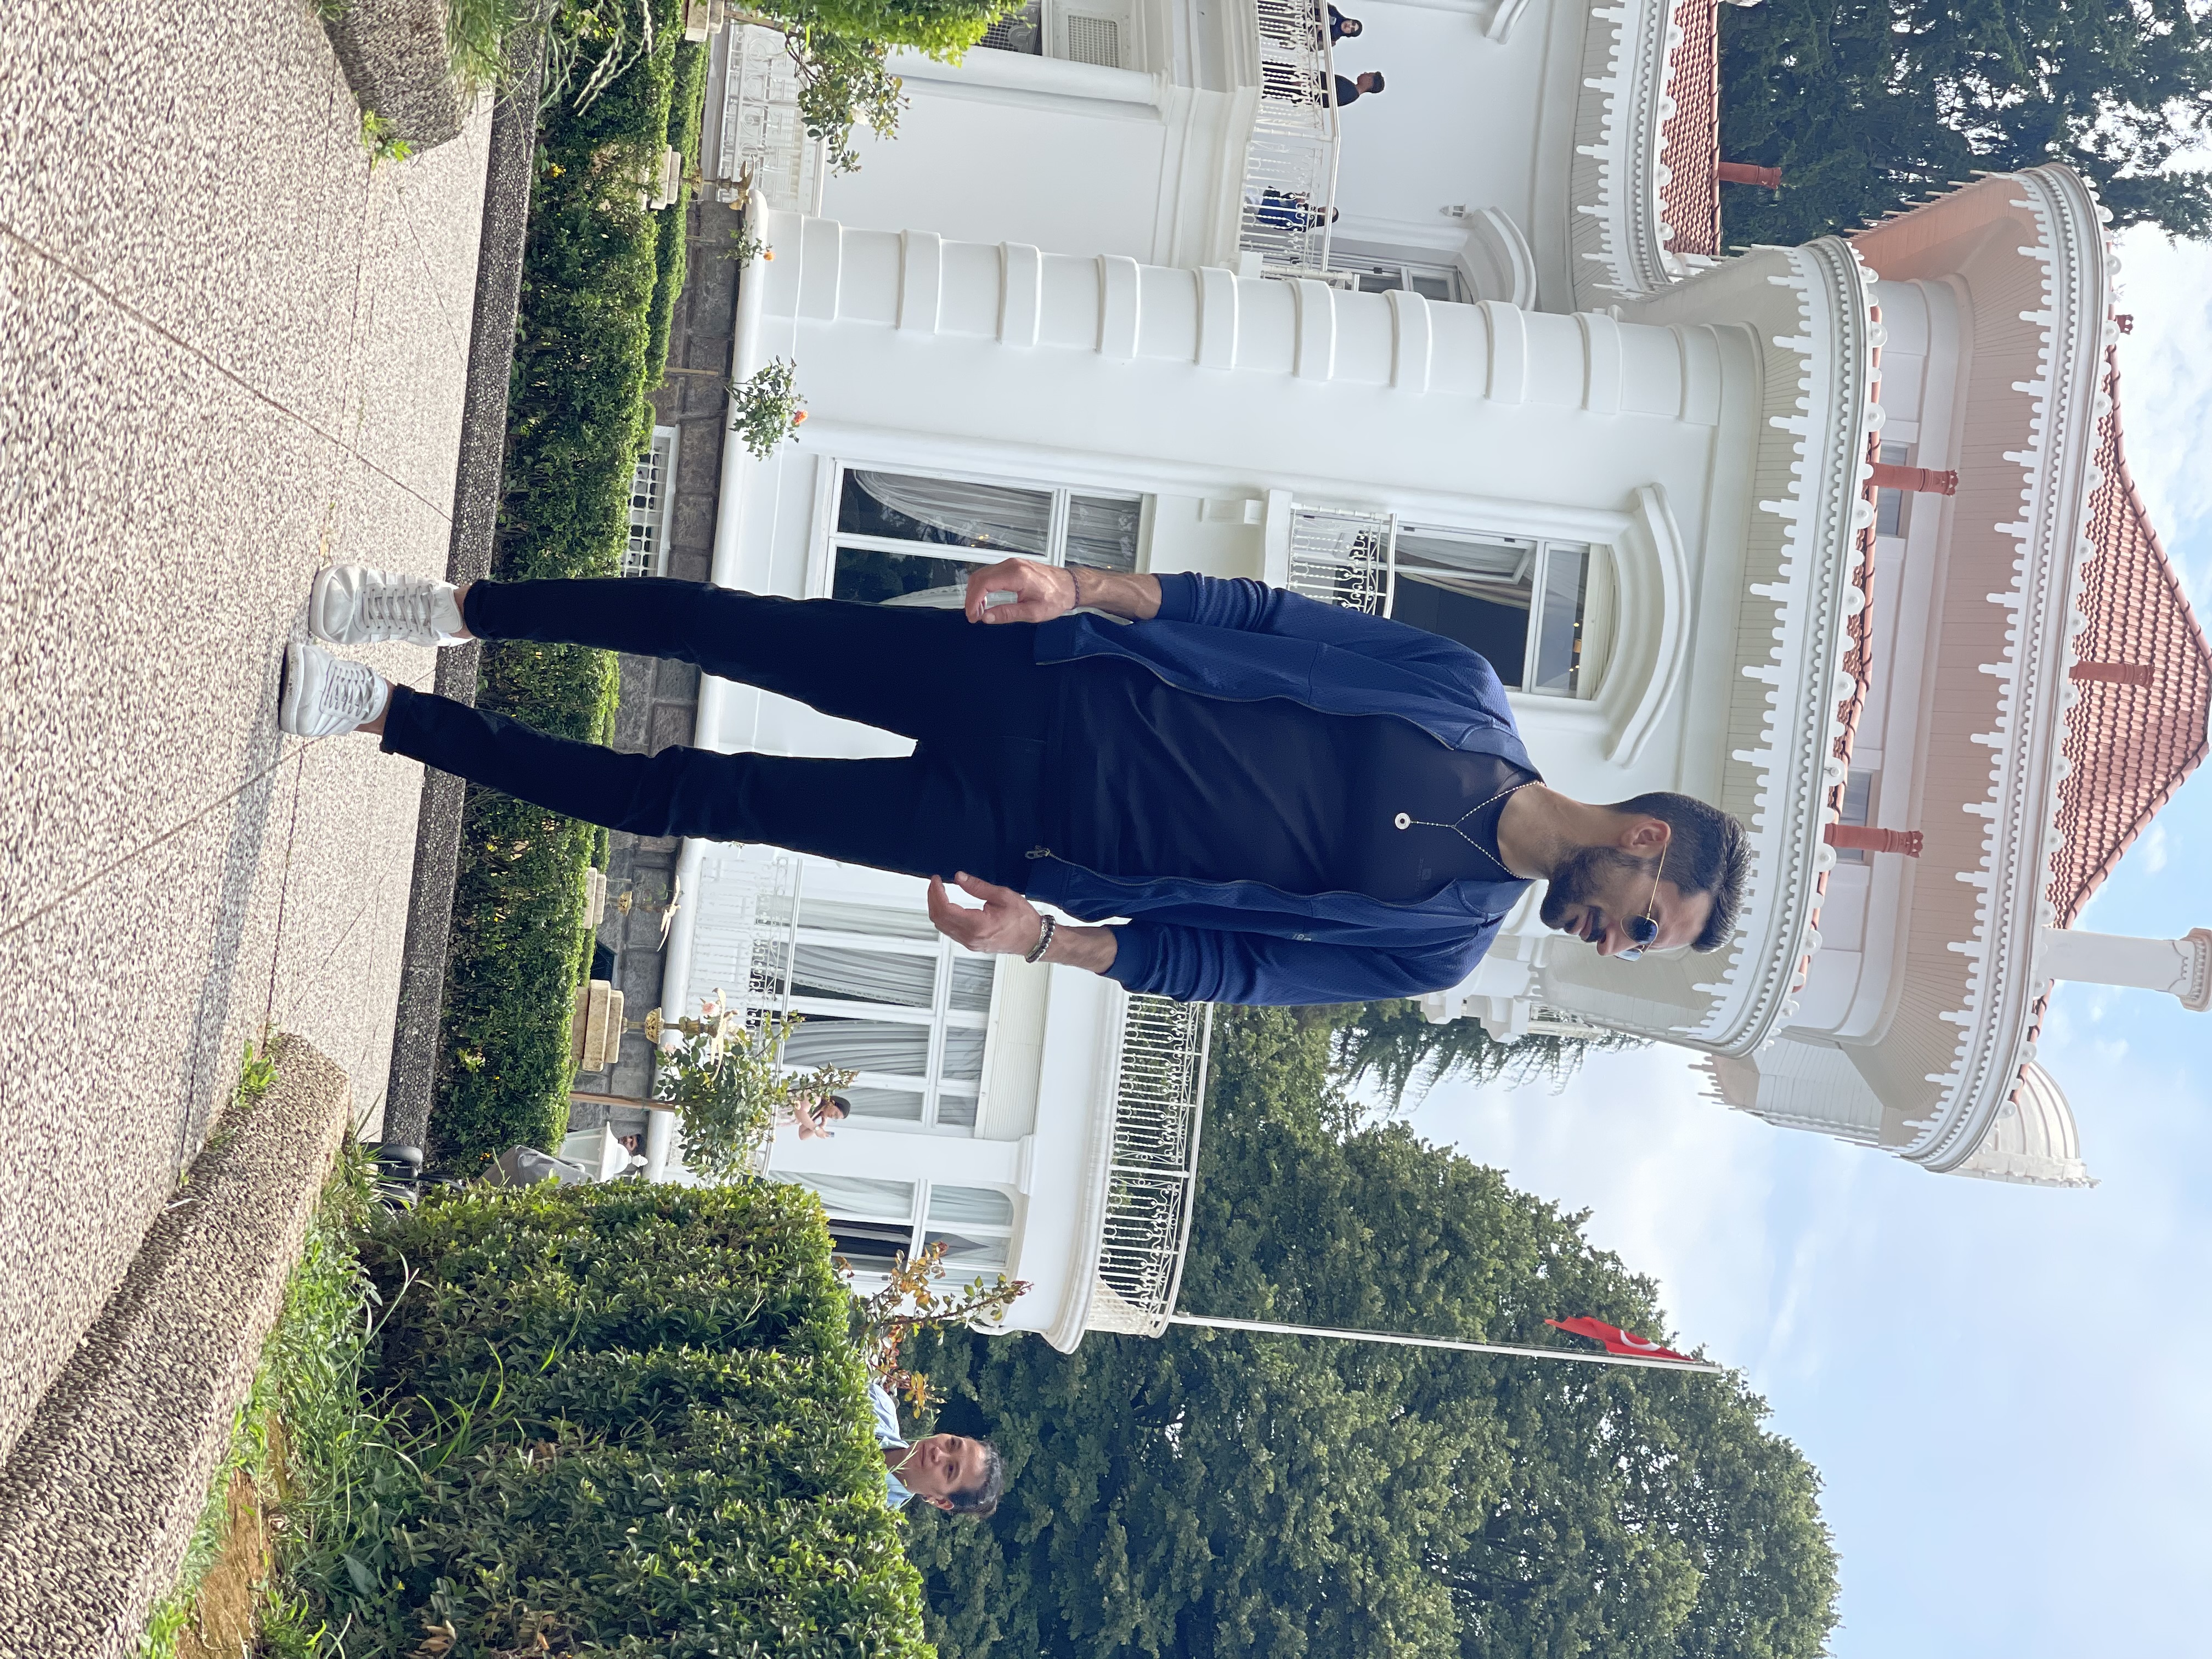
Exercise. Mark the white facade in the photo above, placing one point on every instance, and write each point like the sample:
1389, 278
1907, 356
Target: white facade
1046, 310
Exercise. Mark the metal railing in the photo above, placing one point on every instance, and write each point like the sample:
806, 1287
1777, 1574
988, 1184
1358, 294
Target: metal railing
1290, 163
1343, 555
1152, 1181
764, 136
744, 934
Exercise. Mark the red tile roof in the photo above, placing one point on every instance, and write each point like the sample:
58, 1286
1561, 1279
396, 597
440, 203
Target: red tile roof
2131, 745
1690, 139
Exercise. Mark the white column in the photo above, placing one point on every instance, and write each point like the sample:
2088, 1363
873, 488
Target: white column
2180, 967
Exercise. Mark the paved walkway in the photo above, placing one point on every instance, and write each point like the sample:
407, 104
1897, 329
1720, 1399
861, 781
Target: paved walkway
229, 353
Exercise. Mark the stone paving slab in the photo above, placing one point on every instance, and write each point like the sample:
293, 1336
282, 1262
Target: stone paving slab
232, 352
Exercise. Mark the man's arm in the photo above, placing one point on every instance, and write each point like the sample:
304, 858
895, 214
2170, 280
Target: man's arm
1043, 591
1205, 964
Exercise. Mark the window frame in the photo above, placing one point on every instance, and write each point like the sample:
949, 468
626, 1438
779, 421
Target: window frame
1538, 570
919, 1226
822, 573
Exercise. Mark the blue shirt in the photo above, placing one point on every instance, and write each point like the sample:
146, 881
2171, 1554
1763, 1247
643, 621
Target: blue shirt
887, 1435
1246, 941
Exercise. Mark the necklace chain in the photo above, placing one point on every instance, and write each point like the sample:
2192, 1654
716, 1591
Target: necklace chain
1408, 821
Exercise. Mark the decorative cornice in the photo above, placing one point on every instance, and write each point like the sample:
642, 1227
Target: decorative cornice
2067, 401
1791, 742
1614, 242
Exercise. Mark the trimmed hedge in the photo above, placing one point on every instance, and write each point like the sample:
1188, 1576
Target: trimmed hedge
592, 339
627, 1419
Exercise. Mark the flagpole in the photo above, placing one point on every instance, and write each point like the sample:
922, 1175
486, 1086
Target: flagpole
1266, 1328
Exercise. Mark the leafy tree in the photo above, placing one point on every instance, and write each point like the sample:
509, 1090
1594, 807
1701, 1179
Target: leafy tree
1868, 106
1395, 1045
1208, 1493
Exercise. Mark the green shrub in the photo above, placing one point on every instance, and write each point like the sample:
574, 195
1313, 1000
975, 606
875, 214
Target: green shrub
588, 349
626, 1418
687, 106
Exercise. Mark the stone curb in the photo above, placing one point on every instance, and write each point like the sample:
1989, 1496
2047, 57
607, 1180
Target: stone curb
99, 1496
394, 56
507, 175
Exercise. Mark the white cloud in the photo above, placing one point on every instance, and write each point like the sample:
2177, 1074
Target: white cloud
2151, 850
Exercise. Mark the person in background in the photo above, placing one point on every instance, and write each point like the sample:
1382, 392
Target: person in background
814, 1117
949, 1472
1341, 27
1349, 91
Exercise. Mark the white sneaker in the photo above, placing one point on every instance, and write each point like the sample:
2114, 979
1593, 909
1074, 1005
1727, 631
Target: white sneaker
322, 695
353, 605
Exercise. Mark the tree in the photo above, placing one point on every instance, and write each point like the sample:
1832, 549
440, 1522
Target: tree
1395, 1044
1865, 107
1208, 1492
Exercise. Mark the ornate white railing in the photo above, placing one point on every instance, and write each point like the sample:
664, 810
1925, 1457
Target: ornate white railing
1152, 1181
744, 934
1290, 162
760, 132
1341, 556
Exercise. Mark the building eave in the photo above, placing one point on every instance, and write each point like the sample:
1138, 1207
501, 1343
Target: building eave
2067, 401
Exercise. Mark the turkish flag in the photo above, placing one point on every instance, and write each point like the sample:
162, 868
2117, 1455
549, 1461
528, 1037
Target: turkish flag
1617, 1340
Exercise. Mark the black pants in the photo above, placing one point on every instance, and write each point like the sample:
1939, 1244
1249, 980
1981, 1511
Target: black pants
973, 698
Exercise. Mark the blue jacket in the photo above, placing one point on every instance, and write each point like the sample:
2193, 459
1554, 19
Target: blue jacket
1203, 941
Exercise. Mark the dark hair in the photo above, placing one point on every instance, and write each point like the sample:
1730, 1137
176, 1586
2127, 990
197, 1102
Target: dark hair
1708, 851
1350, 25
981, 1499
844, 1106
1377, 74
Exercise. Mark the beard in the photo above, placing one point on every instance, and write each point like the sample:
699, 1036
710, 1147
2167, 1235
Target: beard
1575, 878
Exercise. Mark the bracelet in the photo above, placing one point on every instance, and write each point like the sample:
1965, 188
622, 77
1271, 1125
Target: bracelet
1044, 939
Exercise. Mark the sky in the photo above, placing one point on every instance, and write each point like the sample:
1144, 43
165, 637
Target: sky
2003, 1387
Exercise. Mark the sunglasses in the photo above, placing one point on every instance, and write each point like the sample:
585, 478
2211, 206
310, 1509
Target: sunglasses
1644, 929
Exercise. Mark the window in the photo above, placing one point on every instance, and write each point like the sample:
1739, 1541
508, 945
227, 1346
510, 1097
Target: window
1430, 282
872, 1221
1857, 809
652, 486
906, 539
1540, 611
1017, 31
1890, 516
887, 996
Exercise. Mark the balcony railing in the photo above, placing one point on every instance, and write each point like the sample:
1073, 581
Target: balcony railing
762, 136
1289, 165
1152, 1182
1342, 555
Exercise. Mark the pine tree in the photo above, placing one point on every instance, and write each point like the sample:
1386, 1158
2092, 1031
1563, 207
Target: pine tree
1209, 1493
1865, 107
1395, 1045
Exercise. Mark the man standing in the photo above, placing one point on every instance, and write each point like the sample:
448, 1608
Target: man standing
949, 1472
1349, 91
1263, 799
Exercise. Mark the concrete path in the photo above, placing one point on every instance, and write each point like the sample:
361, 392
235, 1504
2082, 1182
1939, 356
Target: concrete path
230, 353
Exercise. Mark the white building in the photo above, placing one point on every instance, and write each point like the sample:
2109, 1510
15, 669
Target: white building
1507, 401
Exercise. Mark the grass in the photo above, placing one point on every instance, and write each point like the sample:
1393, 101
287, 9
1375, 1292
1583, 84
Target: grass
600, 275
288, 1435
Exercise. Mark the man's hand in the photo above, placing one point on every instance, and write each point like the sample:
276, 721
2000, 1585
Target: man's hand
1040, 593
1007, 925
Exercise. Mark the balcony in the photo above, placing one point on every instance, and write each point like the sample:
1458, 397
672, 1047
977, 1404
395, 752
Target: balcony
1290, 162
1150, 1176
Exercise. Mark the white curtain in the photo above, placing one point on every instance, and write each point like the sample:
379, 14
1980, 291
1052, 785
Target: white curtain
860, 1045
869, 975
892, 1105
861, 1198
1102, 531
969, 1206
980, 515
